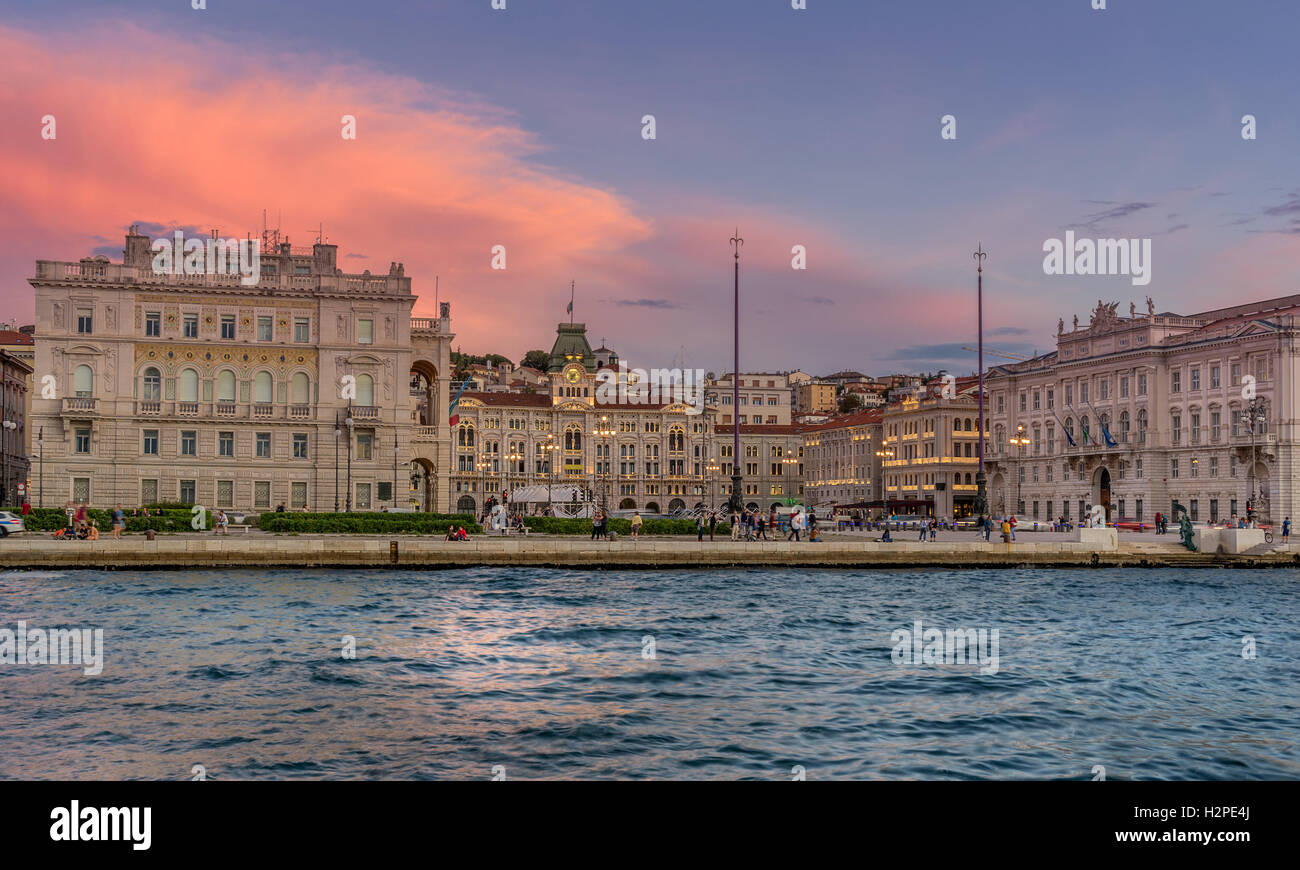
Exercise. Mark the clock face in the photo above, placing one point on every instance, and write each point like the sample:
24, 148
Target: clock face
572, 376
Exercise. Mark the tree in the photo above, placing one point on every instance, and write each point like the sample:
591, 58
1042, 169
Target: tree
538, 359
850, 402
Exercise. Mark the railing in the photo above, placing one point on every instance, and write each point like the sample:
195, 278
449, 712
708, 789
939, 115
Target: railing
188, 409
263, 409
364, 412
225, 409
432, 324
79, 403
424, 433
299, 412
148, 407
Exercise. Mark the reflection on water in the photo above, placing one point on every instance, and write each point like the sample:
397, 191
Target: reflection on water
753, 672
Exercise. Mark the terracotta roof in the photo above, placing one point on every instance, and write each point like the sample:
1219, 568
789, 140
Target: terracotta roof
857, 418
763, 428
510, 400
8, 336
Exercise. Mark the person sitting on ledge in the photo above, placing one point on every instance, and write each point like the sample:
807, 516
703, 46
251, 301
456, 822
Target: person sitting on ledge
93, 533
885, 538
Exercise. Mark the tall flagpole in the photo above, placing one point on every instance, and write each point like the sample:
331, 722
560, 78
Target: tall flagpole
571, 283
736, 242
981, 495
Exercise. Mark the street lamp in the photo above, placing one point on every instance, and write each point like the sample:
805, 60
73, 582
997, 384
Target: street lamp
1256, 416
40, 442
338, 433
349, 422
711, 468
603, 432
885, 455
9, 426
1022, 441
511, 458
549, 450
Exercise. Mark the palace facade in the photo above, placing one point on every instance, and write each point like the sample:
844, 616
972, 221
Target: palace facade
292, 390
1138, 412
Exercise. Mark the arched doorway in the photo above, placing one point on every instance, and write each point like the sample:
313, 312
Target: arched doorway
424, 484
465, 505
676, 505
627, 504
1101, 490
652, 507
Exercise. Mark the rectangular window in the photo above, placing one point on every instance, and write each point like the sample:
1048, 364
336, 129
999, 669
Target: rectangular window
1214, 377
85, 321
1037, 400
1196, 510
228, 327
261, 494
1173, 468
1069, 395
1175, 382
188, 442
1196, 379
153, 324
1137, 510
190, 326
1123, 387
263, 328
151, 442
149, 491
225, 493
187, 492
365, 445
1083, 392
1137, 469
1214, 466
1236, 374
301, 330
1022, 401
1104, 388
299, 445
83, 440
263, 445
384, 490
225, 443
298, 496
365, 332
363, 496
1142, 385
1051, 403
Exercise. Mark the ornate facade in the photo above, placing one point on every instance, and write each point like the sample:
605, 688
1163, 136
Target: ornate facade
195, 388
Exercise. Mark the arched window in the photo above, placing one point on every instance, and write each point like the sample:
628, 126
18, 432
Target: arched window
1084, 429
365, 390
572, 438
1069, 427
969, 425
676, 442
263, 387
152, 385
226, 386
300, 393
956, 424
465, 435
1123, 425
189, 385
83, 382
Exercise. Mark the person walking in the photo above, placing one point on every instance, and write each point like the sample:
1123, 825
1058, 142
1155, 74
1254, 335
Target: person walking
713, 524
699, 529
595, 525
794, 527
735, 525
934, 529
1286, 529
986, 525
636, 524
1012, 520
119, 521
762, 528
922, 526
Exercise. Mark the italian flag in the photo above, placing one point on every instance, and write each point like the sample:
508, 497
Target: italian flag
454, 418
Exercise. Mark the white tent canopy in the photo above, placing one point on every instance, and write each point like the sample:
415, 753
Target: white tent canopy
558, 494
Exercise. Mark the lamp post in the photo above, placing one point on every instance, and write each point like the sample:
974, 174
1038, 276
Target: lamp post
603, 432
981, 506
337, 434
885, 455
736, 242
512, 457
711, 469
1256, 416
1019, 440
349, 422
40, 443
9, 426
549, 449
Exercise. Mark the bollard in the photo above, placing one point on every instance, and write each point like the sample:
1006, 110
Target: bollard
392, 552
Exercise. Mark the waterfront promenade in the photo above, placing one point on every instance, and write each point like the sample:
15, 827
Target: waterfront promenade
253, 550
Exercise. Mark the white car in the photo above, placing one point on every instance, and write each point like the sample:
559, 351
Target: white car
10, 522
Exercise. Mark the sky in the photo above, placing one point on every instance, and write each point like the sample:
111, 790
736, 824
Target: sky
821, 127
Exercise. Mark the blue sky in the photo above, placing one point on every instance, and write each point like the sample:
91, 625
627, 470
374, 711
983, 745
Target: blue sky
823, 125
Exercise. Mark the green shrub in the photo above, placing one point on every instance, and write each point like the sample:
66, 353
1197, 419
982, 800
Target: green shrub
369, 522
620, 525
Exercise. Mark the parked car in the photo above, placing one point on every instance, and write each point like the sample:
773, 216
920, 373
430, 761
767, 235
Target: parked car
9, 523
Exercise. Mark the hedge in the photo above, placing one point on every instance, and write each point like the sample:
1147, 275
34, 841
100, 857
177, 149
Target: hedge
619, 525
380, 522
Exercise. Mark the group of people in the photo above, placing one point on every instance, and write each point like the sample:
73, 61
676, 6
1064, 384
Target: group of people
756, 525
456, 533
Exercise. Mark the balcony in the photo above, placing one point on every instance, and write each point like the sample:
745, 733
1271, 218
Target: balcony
299, 412
364, 412
187, 409
263, 410
147, 407
424, 434
224, 409
79, 405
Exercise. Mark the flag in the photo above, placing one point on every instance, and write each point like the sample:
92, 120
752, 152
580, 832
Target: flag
1110, 441
454, 418
569, 309
1068, 436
